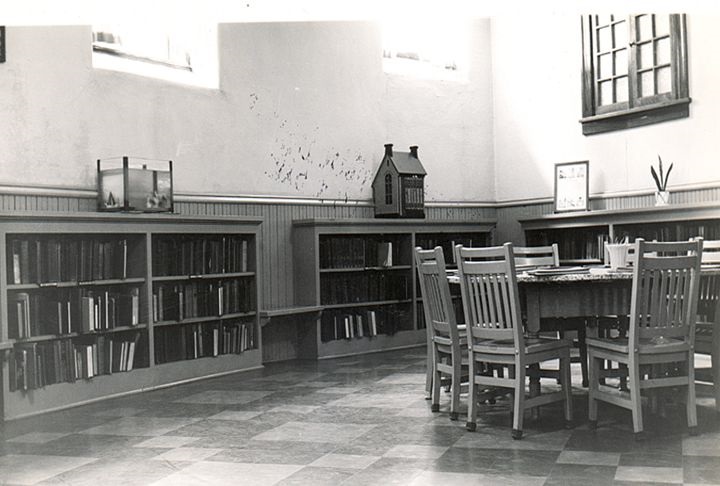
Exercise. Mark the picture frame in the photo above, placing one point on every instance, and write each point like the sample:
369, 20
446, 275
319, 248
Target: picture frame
2, 43
572, 184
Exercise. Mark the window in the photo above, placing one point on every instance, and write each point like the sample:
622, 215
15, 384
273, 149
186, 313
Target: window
388, 189
634, 71
147, 45
181, 53
426, 47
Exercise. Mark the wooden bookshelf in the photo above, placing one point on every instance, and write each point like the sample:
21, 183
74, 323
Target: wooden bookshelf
580, 236
95, 305
361, 273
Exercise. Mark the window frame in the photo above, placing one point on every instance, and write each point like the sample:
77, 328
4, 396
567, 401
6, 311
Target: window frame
388, 189
637, 111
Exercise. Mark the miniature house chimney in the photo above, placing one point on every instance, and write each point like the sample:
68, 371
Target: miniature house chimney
388, 149
413, 151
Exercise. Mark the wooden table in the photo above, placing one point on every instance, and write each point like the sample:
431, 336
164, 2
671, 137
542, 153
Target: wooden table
597, 292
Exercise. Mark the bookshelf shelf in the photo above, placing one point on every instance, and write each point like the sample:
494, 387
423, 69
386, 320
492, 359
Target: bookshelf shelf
580, 236
377, 303
365, 269
85, 283
201, 320
214, 276
78, 301
52, 337
361, 273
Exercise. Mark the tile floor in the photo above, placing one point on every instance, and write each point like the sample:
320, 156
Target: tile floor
351, 421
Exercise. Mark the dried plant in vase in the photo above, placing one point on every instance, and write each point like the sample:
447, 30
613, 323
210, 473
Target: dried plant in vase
662, 195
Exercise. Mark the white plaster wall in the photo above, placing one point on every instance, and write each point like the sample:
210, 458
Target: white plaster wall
303, 109
537, 101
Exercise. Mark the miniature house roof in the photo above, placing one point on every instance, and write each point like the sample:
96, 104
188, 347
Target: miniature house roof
406, 163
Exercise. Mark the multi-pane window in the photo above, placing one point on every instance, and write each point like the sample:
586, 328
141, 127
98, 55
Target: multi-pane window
388, 189
634, 71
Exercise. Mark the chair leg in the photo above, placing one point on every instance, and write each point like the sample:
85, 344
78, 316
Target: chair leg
593, 387
583, 355
518, 402
691, 402
715, 363
635, 400
435, 403
472, 396
429, 374
455, 391
566, 386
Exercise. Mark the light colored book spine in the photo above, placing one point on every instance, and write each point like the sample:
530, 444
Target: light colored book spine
131, 355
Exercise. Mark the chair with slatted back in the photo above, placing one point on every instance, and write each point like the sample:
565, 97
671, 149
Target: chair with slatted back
548, 256
658, 351
537, 256
496, 339
707, 338
448, 347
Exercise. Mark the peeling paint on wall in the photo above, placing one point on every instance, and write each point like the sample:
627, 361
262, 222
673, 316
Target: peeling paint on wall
299, 162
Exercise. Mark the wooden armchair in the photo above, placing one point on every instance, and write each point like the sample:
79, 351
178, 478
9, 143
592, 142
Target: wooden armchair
658, 351
496, 339
448, 348
707, 336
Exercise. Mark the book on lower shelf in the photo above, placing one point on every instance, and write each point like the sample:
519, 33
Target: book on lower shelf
361, 323
39, 364
210, 339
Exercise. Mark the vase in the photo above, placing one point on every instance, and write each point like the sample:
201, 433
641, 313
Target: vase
662, 198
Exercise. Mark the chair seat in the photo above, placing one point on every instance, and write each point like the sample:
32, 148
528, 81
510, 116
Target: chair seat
620, 345
532, 345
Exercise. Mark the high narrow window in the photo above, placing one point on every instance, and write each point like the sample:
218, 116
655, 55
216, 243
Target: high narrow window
426, 47
185, 54
388, 189
634, 71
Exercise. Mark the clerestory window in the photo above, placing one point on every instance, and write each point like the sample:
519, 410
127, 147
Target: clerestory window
182, 53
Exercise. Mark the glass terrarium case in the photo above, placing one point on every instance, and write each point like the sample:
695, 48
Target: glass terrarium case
135, 184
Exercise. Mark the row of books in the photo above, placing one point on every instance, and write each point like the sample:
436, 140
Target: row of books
35, 365
203, 340
188, 255
365, 323
71, 310
671, 232
580, 244
176, 302
359, 252
372, 286
44, 260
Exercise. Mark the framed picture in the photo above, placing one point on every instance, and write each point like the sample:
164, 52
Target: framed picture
571, 186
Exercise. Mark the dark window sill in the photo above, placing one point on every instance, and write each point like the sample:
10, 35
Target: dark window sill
636, 117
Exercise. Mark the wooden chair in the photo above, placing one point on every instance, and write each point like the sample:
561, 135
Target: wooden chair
448, 347
496, 340
537, 256
540, 256
707, 338
659, 349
